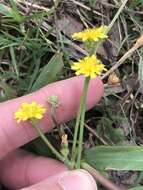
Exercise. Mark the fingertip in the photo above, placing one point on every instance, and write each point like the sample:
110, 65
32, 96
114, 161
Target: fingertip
70, 180
77, 179
29, 169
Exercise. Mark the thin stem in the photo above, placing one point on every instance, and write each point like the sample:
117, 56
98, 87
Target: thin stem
52, 148
99, 178
113, 21
80, 145
73, 154
95, 134
117, 15
53, 111
46, 141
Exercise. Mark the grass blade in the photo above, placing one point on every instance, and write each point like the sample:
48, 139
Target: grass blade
49, 72
13, 60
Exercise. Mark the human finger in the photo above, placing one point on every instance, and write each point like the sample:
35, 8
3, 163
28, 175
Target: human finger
20, 169
77, 179
14, 135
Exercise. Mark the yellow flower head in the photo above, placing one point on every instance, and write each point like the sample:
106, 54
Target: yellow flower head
89, 66
93, 34
29, 111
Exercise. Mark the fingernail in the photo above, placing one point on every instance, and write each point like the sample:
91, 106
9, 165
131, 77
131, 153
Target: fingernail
77, 179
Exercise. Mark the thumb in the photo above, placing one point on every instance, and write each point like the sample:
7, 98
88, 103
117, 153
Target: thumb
69, 180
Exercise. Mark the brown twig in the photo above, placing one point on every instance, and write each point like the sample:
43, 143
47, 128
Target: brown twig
33, 5
86, 7
99, 178
96, 135
129, 53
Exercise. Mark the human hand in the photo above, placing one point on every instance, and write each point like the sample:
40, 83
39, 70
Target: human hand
19, 169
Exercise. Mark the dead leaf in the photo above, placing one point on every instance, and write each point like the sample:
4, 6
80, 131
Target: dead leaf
68, 25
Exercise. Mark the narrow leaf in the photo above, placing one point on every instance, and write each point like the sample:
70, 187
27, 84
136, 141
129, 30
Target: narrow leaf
115, 157
4, 10
13, 60
49, 72
137, 188
9, 93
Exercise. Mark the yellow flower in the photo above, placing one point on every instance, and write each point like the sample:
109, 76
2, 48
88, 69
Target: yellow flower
29, 111
91, 34
89, 66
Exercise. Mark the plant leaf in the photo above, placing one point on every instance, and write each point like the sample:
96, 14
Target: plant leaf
49, 72
38, 146
13, 60
9, 92
4, 10
137, 188
115, 157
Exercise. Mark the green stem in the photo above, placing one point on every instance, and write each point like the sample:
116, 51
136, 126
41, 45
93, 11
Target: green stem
46, 141
80, 145
73, 154
112, 22
117, 15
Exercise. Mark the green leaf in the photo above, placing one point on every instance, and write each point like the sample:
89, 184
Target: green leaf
49, 72
38, 146
12, 12
113, 135
4, 10
13, 60
33, 77
15, 14
115, 157
9, 93
92, 3
137, 188
38, 15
